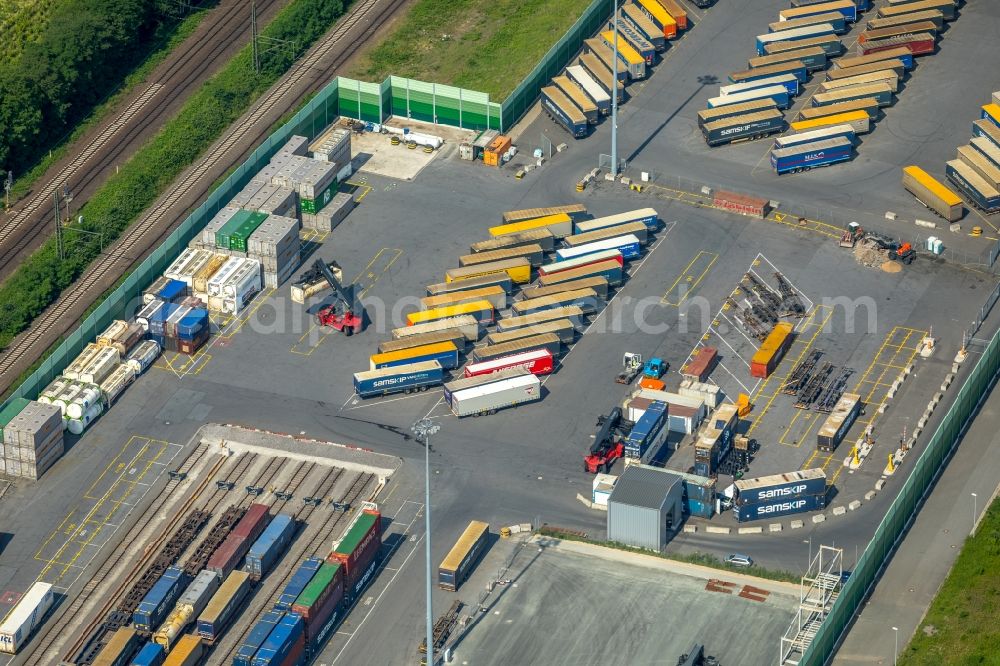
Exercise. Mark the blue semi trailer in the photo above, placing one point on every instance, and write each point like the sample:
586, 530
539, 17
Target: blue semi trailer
398, 379
811, 155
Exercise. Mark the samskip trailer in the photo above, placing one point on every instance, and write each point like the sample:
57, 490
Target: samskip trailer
811, 155
562, 110
789, 81
744, 128
981, 194
813, 57
780, 486
775, 509
405, 378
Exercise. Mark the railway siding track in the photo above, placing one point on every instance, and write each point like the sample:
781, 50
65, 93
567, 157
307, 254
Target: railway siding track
308, 74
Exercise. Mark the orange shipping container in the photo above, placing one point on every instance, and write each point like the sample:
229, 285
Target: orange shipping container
771, 351
650, 383
495, 151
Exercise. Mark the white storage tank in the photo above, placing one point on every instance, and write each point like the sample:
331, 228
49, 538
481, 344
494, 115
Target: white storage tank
67, 396
88, 396
77, 426
53, 390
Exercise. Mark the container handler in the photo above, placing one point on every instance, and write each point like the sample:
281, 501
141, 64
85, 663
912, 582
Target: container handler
609, 443
339, 315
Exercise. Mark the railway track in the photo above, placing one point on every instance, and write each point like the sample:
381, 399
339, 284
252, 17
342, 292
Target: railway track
31, 221
307, 75
271, 585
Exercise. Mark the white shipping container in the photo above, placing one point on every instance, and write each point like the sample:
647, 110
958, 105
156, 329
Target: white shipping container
101, 366
711, 394
216, 224
489, 398
25, 617
277, 234
317, 179
246, 276
245, 195
81, 362
33, 426
283, 202
223, 275
184, 270
143, 356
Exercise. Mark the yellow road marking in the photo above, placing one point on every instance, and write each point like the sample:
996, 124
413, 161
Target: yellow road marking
690, 278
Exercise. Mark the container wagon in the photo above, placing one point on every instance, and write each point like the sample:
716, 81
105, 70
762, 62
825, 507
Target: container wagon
577, 262
559, 224
159, 600
932, 194
981, 165
586, 299
605, 55
985, 128
647, 216
628, 245
840, 420
481, 310
563, 328
468, 325
490, 398
397, 379
830, 44
452, 335
253, 640
223, 606
188, 652
593, 89
831, 132
771, 351
807, 32
500, 279
789, 81
189, 605
706, 116
812, 57
559, 107
836, 19
536, 361
297, 583
496, 295
932, 15
893, 64
846, 8
987, 149
602, 75
358, 552
628, 57
659, 16
894, 9
119, 649
858, 121
271, 544
880, 92
886, 76
462, 557
578, 97
777, 93
285, 644
899, 53
811, 155
982, 195
26, 616
445, 353
918, 44
637, 229
547, 341
320, 604
796, 68
572, 312
635, 39
533, 253
646, 26
574, 211
235, 547
748, 127
481, 380
904, 30
151, 654
541, 237
610, 270
867, 104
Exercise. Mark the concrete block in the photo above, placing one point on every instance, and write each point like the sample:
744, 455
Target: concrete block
870, 495
913, 440
880, 484
855, 505
690, 529
883, 407
955, 367
839, 510
819, 518
889, 215
954, 227
774, 527
626, 181
937, 398
922, 422
715, 529
751, 530
909, 368
925, 223
610, 177
561, 147
916, 433
796, 524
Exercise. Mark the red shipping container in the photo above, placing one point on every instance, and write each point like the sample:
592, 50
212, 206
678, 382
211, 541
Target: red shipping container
319, 626
700, 367
253, 522
740, 203
235, 547
358, 564
536, 361
294, 657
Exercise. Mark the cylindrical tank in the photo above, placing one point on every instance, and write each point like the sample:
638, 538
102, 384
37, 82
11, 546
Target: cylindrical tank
143, 356
67, 396
50, 392
117, 381
174, 625
77, 426
83, 401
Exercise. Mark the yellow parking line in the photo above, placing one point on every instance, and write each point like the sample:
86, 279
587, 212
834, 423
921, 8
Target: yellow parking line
121, 466
691, 281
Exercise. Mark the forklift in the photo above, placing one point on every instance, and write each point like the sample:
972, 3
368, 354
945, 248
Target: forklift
609, 443
339, 315
632, 364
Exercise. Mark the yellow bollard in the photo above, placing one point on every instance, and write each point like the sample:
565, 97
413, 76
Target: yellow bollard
580, 186
857, 459
890, 466
976, 231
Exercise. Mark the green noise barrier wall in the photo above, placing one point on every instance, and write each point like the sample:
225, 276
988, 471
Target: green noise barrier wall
904, 508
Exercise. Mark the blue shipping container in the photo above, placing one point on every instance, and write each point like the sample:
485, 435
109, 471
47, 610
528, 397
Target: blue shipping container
702, 489
159, 600
447, 359
280, 642
699, 508
648, 431
298, 582
193, 323
777, 508
270, 545
174, 290
367, 387
811, 155
782, 488
248, 648
150, 655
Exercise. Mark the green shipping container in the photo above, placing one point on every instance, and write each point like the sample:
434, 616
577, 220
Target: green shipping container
315, 205
15, 407
324, 576
223, 235
238, 239
357, 533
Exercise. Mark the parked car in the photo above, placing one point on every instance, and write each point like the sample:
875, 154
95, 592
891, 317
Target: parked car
737, 560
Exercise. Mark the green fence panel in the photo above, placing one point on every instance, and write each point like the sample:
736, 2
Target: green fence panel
525, 94
123, 301
905, 505
360, 100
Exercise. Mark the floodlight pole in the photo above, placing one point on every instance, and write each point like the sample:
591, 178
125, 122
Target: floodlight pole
614, 94
424, 428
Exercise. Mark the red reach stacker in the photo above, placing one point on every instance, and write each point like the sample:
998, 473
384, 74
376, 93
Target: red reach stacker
339, 315
609, 443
